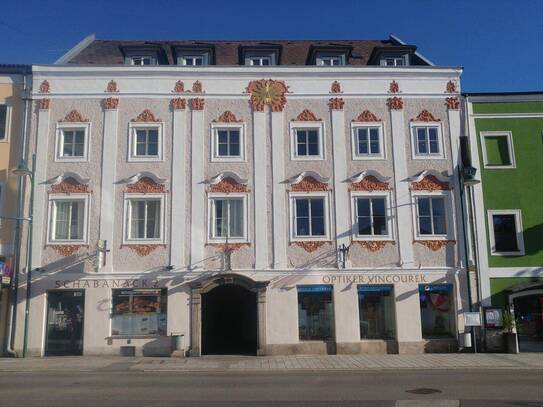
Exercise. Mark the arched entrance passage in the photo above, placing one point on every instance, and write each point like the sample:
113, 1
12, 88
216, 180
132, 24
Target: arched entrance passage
228, 315
527, 304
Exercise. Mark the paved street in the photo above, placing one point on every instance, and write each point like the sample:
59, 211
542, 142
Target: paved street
514, 380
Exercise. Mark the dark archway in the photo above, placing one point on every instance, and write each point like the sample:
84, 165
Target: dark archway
229, 321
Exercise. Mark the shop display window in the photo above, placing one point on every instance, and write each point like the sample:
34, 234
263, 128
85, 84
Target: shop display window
376, 311
139, 312
436, 310
315, 312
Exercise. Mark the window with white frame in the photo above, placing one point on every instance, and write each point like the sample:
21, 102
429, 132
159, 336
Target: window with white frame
144, 217
307, 142
393, 61
192, 60
228, 143
141, 60
427, 141
498, 151
506, 236
68, 218
146, 142
367, 141
371, 216
309, 216
228, 217
330, 60
259, 60
4, 122
431, 215
72, 142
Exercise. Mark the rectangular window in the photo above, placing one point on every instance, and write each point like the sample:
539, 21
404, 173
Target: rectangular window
228, 143
72, 143
368, 141
427, 141
139, 312
260, 61
193, 60
506, 232
307, 143
142, 60
144, 219
68, 217
393, 61
436, 310
371, 218
228, 218
309, 217
315, 312
3, 122
376, 311
498, 149
431, 215
330, 60
146, 142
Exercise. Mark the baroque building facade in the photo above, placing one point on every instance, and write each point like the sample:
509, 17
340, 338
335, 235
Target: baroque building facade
260, 198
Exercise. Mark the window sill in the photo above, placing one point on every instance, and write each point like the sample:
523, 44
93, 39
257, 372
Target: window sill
508, 254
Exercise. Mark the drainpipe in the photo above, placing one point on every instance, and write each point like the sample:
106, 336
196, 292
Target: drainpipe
12, 319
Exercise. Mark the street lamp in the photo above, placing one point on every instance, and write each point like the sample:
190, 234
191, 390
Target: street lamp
23, 171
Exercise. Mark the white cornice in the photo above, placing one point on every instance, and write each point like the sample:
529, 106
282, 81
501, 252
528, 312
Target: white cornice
298, 178
60, 178
441, 177
226, 174
361, 175
144, 174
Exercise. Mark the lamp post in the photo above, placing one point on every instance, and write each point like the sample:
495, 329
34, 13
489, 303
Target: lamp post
23, 172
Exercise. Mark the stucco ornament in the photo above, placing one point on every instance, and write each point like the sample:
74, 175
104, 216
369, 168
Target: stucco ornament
197, 104
336, 103
267, 92
179, 87
394, 87
178, 104
425, 116
336, 87
197, 87
308, 181
366, 116
452, 103
395, 103
451, 87
112, 87
146, 117
66, 250
228, 185
374, 245
306, 116
370, 183
69, 185
227, 117
435, 245
74, 117
430, 180
44, 104
146, 185
310, 246
44, 87
231, 246
110, 103
143, 250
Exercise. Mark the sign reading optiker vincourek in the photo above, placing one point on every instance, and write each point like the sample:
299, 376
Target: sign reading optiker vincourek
374, 279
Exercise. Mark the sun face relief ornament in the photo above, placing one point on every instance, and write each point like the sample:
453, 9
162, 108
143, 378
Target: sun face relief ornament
267, 92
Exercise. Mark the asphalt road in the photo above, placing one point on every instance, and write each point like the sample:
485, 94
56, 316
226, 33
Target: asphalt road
377, 388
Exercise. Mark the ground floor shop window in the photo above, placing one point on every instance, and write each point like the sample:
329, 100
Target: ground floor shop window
436, 310
139, 312
315, 312
376, 311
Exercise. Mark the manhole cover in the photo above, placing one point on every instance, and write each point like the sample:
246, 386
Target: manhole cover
423, 390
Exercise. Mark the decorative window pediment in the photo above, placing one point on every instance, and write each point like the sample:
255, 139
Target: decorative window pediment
227, 117
425, 116
308, 181
74, 117
367, 116
146, 117
369, 181
430, 180
227, 182
144, 183
69, 183
306, 116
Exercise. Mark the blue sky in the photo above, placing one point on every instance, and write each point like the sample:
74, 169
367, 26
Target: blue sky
499, 42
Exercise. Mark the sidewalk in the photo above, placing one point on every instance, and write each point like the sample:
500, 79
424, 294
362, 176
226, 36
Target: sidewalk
525, 361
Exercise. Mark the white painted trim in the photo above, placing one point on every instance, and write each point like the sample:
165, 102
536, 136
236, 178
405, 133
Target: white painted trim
52, 218
294, 127
132, 128
517, 213
510, 146
389, 213
367, 173
449, 216
60, 129
7, 130
128, 196
226, 174
260, 183
144, 174
497, 272
295, 195
354, 141
279, 220
215, 127
211, 197
299, 178
440, 177
416, 156
178, 190
198, 220
73, 52
68, 174
507, 115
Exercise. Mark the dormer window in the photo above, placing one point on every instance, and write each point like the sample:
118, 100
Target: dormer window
259, 61
330, 59
400, 60
142, 60
192, 60
259, 56
194, 56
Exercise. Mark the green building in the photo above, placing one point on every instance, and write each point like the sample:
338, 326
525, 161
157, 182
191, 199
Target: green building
506, 143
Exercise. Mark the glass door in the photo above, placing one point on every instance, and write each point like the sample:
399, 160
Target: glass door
65, 318
529, 322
